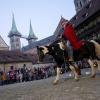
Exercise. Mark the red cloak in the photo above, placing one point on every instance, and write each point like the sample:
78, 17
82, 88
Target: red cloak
70, 35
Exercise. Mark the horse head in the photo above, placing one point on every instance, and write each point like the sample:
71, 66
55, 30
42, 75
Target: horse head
42, 51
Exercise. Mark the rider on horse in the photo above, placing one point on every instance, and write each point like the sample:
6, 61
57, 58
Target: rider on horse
70, 35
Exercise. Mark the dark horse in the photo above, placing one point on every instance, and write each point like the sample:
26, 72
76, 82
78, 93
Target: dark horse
88, 50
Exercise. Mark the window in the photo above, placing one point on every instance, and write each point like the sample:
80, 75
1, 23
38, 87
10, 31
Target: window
76, 17
16, 39
88, 6
85, 15
76, 4
17, 45
12, 40
80, 4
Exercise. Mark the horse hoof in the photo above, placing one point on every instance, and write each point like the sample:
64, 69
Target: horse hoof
77, 79
55, 82
78, 71
93, 76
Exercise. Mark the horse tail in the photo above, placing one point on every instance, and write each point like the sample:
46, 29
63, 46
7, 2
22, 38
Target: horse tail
97, 47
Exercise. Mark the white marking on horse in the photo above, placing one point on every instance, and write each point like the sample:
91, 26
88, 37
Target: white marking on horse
92, 67
97, 47
45, 49
61, 45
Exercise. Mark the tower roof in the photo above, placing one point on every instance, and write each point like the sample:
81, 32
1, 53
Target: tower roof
3, 43
14, 30
31, 33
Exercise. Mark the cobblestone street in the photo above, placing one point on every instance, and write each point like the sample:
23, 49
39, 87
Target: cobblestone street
67, 89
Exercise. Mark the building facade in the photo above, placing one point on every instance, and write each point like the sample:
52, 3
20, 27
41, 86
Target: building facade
16, 59
87, 21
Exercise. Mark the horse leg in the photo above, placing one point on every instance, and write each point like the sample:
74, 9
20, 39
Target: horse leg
92, 68
77, 69
98, 62
75, 72
57, 76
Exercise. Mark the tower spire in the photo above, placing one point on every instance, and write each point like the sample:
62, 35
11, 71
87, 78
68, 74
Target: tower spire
14, 28
31, 33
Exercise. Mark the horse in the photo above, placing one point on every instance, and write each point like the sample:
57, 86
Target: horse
89, 51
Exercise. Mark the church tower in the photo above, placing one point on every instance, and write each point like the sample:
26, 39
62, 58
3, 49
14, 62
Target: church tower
31, 38
14, 36
79, 4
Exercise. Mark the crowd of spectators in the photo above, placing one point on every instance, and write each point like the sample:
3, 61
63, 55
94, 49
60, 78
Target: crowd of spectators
24, 74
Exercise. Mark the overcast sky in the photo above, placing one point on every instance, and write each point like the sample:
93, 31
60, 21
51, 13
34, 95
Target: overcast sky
44, 15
